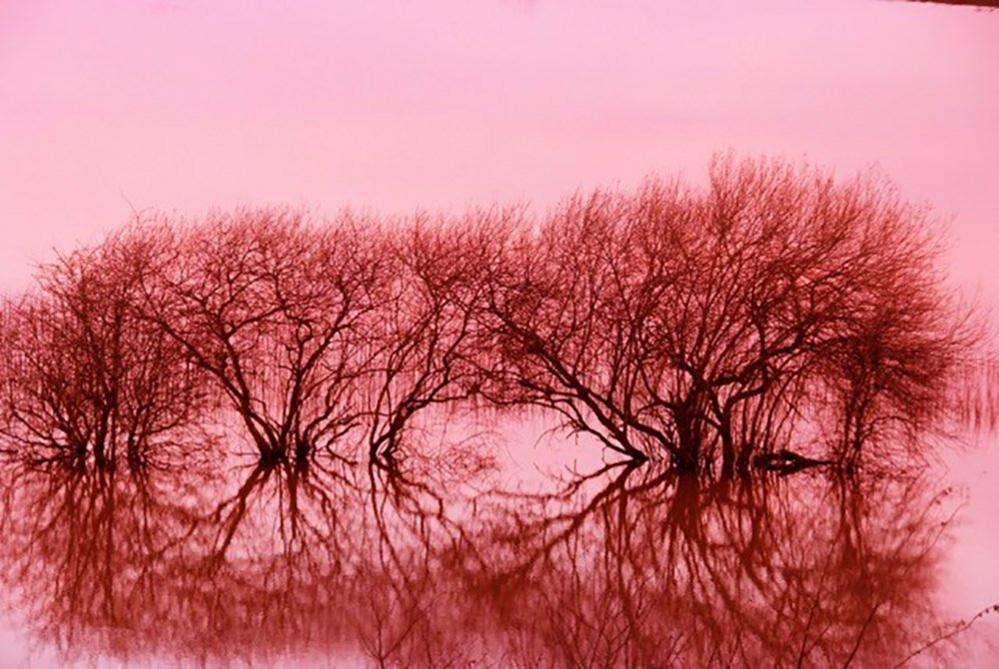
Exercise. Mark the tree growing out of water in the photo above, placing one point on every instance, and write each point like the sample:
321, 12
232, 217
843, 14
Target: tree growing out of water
278, 314
83, 375
694, 322
428, 338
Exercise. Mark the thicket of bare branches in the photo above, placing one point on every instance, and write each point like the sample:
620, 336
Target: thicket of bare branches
702, 322
84, 375
695, 324
429, 334
279, 315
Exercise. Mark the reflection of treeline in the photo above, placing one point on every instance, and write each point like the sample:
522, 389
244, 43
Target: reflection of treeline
666, 570
628, 569
697, 325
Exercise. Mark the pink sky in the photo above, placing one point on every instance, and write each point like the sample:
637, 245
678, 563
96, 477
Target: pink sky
183, 105
188, 104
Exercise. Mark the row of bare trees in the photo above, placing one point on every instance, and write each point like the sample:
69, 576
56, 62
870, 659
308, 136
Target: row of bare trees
718, 323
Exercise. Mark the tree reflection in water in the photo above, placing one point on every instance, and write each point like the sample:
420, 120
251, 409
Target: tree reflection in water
624, 567
664, 570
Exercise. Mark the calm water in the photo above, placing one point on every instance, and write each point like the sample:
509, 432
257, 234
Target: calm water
537, 555
508, 550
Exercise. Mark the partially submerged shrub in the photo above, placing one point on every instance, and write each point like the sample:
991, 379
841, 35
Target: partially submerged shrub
84, 375
683, 321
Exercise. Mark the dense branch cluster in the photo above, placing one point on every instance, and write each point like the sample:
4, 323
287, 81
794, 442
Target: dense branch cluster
693, 324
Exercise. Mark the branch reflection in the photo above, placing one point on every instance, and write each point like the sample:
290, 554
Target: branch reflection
394, 567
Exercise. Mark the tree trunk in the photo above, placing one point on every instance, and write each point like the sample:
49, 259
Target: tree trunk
687, 455
728, 446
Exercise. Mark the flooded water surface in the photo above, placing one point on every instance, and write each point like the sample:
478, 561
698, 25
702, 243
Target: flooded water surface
468, 562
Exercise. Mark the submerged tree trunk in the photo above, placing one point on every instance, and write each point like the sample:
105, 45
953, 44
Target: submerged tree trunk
690, 435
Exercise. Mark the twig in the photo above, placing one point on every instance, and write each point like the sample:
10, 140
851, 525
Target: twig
959, 627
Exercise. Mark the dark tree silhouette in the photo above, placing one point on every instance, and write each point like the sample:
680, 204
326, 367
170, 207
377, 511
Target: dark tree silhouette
278, 313
718, 324
684, 321
83, 375
428, 336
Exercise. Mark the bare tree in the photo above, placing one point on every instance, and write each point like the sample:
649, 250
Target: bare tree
83, 375
887, 378
684, 320
697, 324
429, 335
278, 314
